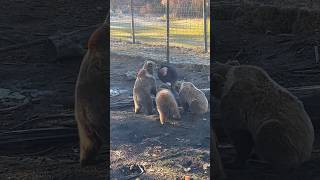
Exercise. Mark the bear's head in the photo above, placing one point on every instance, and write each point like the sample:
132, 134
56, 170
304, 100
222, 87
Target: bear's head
218, 76
149, 66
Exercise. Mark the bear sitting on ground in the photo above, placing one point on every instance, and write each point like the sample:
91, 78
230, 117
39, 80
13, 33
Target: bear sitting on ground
192, 98
258, 113
166, 105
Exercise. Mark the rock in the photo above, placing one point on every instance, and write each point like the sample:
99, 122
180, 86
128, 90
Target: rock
187, 169
205, 166
114, 92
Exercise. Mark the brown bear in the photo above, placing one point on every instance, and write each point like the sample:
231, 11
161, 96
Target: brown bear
166, 104
91, 96
144, 85
258, 113
192, 98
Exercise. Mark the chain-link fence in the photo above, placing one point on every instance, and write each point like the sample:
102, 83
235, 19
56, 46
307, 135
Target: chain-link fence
145, 22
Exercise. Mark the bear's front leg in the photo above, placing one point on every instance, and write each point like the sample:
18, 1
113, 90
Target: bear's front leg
243, 143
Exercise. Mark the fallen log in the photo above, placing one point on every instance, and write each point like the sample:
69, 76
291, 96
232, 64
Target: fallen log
36, 136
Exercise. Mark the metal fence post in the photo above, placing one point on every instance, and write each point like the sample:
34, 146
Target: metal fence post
132, 23
205, 26
168, 29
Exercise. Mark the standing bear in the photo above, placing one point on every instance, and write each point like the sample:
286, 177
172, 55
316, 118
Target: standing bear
258, 113
144, 86
91, 99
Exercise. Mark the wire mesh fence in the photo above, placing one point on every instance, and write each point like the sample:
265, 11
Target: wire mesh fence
145, 22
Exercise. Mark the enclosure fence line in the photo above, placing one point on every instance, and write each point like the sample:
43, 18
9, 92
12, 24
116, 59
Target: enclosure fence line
168, 31
169, 23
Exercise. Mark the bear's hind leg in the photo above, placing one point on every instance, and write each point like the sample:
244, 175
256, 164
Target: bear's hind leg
137, 106
162, 116
148, 105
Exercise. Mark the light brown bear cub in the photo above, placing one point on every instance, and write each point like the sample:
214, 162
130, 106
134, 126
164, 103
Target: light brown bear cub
166, 104
91, 96
192, 98
144, 85
257, 112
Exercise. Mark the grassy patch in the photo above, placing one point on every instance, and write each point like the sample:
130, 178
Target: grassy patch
186, 33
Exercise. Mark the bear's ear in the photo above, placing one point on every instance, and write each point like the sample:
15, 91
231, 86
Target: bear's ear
233, 63
217, 79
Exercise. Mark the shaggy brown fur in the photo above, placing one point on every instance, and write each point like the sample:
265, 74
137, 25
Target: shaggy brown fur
91, 96
166, 105
144, 85
192, 98
257, 112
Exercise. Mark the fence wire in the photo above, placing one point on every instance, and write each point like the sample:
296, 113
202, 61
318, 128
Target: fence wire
186, 22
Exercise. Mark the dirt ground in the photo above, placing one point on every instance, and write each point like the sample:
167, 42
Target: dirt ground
165, 152
30, 73
290, 61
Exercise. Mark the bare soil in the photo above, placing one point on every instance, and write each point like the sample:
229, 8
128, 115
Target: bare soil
168, 151
32, 72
